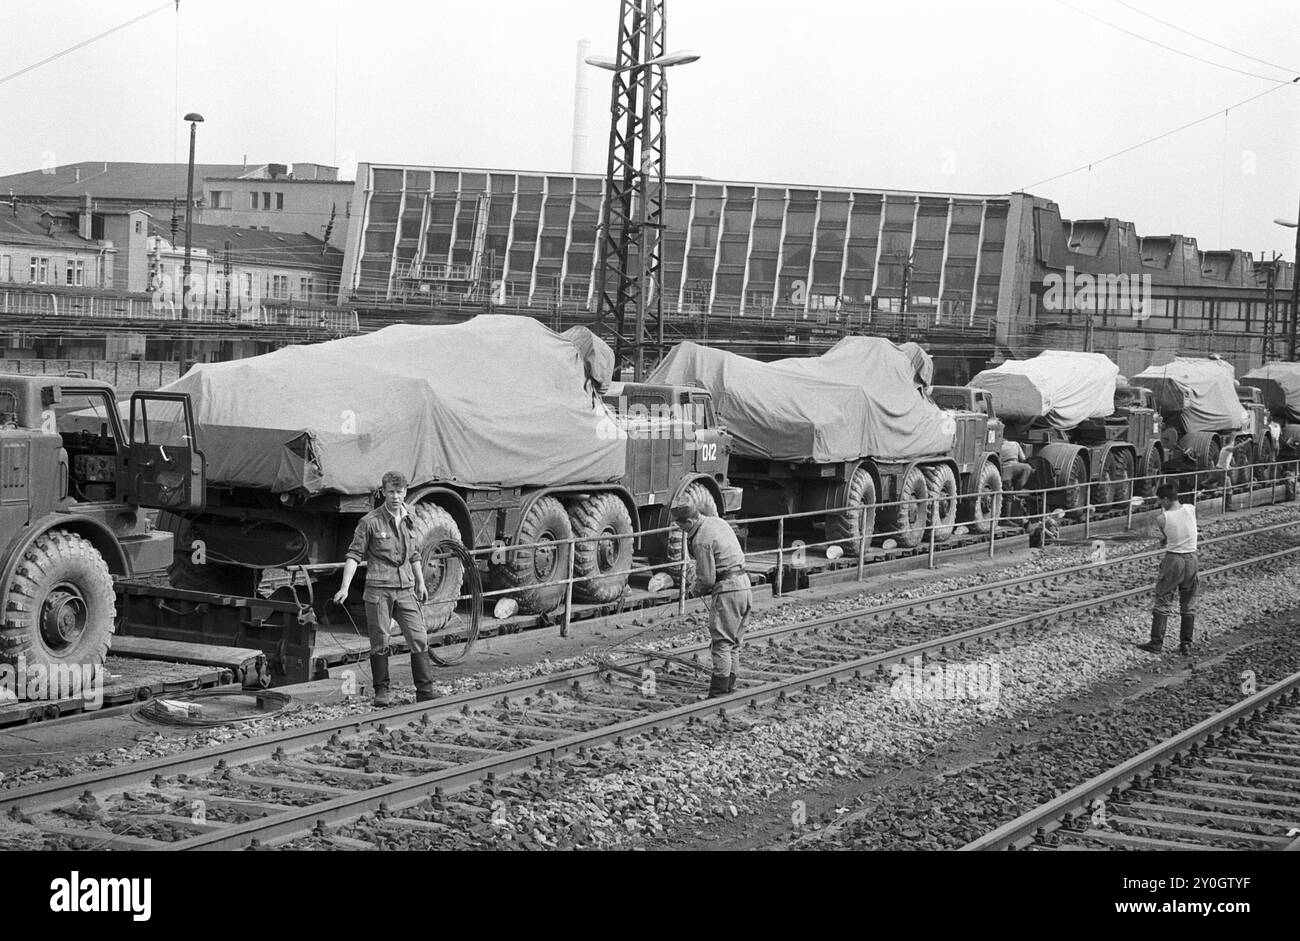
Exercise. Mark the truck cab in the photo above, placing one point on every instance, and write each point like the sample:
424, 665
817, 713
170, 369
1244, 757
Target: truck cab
979, 430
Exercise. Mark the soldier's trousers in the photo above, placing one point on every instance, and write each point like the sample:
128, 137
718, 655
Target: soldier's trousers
728, 618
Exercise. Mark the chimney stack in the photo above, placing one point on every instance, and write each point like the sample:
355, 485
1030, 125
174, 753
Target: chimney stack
580, 96
84, 227
77, 178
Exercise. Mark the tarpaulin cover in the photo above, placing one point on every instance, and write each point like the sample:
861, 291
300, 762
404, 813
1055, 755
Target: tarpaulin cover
1279, 384
597, 357
858, 399
922, 362
1060, 386
498, 400
1203, 390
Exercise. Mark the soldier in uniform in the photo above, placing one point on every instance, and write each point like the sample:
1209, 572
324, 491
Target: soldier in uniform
385, 541
719, 572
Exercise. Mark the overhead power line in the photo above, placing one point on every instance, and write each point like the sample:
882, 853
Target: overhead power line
1154, 42
1218, 45
87, 42
1151, 140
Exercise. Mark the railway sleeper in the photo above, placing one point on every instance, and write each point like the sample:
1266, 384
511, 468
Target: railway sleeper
1225, 802
1201, 833
1211, 816
1244, 789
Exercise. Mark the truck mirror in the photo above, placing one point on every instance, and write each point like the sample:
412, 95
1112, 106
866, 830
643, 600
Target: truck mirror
51, 395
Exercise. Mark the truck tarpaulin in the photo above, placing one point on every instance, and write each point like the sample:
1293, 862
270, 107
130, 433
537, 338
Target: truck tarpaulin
1203, 393
1279, 385
1061, 387
495, 401
858, 399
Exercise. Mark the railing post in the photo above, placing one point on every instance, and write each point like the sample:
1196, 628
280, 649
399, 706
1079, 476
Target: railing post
996, 509
568, 589
780, 556
934, 525
862, 540
681, 581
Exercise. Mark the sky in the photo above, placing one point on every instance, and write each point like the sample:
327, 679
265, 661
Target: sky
947, 95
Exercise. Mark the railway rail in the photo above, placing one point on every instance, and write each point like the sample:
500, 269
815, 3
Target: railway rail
1229, 782
404, 762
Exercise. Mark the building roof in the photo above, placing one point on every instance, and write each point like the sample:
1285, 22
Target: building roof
30, 225
256, 247
110, 180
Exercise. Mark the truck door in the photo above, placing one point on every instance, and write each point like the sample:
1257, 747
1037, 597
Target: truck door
709, 444
166, 468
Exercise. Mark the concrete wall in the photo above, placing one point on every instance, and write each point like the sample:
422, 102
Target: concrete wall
307, 205
126, 375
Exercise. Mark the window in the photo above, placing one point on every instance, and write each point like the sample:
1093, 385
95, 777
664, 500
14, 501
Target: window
280, 285
252, 200
220, 199
139, 227
266, 200
39, 270
76, 273
304, 288
6, 268
248, 287
279, 200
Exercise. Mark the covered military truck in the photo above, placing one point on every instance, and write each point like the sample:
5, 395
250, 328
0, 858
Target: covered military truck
497, 423
849, 428
1060, 406
1277, 388
1207, 428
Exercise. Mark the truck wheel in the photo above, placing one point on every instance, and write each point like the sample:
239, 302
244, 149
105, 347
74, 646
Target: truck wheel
603, 566
1075, 489
942, 483
1150, 470
1203, 448
982, 507
60, 604
907, 522
1110, 490
843, 527
1243, 455
1265, 464
697, 493
442, 576
528, 569
211, 577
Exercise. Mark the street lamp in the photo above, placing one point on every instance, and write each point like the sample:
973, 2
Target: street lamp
195, 120
1295, 285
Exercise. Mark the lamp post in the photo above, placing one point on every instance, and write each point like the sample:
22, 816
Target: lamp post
1295, 286
637, 153
195, 120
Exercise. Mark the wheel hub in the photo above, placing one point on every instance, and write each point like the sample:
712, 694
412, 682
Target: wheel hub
63, 616
544, 557
606, 551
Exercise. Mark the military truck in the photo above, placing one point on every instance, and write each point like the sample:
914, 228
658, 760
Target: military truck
73, 498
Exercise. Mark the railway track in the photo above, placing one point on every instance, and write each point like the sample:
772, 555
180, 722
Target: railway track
405, 761
1230, 782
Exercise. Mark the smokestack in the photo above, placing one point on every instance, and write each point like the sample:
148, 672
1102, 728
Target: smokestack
580, 97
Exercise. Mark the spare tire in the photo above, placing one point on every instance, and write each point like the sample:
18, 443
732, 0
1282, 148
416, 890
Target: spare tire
539, 559
942, 483
443, 574
982, 507
209, 576
603, 565
59, 605
843, 528
907, 521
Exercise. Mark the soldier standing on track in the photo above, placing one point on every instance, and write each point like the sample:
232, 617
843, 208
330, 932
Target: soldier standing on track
1176, 526
719, 571
385, 541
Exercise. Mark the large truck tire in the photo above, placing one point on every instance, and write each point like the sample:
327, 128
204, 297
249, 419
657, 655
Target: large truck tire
844, 528
698, 495
602, 565
209, 576
983, 506
942, 483
1113, 488
443, 576
1074, 488
527, 570
59, 606
1266, 463
1150, 471
907, 522
1202, 448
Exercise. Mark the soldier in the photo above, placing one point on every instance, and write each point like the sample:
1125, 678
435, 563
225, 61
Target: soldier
385, 541
719, 571
1176, 526
1015, 477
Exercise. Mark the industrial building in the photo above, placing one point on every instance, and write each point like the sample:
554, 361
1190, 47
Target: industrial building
978, 277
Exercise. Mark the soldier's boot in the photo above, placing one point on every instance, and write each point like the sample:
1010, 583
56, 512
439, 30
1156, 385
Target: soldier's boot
1185, 631
379, 679
717, 685
1157, 641
731, 681
422, 675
